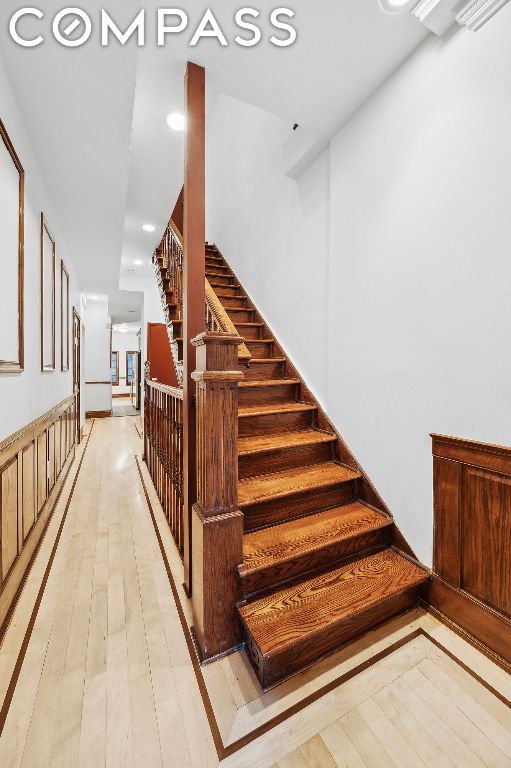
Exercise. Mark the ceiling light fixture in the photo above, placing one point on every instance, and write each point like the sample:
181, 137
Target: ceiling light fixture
138, 262
148, 228
176, 121
94, 298
397, 6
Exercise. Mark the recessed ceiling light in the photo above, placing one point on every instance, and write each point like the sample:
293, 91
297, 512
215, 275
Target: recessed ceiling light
176, 121
396, 6
94, 298
138, 262
148, 228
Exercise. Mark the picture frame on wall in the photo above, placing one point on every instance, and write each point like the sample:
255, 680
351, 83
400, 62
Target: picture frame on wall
48, 257
12, 207
64, 317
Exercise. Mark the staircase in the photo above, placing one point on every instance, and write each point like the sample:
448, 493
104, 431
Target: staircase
323, 559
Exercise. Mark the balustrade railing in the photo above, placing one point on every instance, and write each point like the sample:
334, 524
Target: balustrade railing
168, 263
163, 450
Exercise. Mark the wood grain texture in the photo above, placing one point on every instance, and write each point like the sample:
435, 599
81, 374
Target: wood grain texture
278, 553
29, 486
297, 625
471, 556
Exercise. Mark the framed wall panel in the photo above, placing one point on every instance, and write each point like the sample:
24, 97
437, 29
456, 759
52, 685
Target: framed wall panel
64, 317
47, 297
12, 182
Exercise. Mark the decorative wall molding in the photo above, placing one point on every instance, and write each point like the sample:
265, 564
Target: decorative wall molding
472, 14
440, 15
33, 466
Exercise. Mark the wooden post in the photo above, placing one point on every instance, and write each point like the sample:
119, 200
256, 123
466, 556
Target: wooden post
217, 523
194, 236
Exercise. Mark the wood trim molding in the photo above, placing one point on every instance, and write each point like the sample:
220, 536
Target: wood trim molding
98, 382
116, 353
16, 366
64, 313
9, 446
488, 630
98, 414
45, 229
471, 554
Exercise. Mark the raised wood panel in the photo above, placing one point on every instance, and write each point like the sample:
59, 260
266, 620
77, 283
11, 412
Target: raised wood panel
486, 539
471, 548
446, 494
29, 490
9, 513
51, 457
58, 438
42, 464
28, 494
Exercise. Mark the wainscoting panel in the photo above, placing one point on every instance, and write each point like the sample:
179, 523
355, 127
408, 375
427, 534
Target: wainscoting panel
33, 465
472, 539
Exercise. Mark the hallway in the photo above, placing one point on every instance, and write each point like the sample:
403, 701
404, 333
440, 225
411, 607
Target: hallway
107, 677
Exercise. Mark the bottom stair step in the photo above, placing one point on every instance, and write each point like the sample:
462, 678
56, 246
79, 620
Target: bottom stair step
282, 552
293, 627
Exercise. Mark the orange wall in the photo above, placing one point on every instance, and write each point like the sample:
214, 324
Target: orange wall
159, 354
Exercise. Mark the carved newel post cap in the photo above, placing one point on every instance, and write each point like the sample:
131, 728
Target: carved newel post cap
217, 357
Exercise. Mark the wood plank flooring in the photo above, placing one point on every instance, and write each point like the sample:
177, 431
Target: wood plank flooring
107, 679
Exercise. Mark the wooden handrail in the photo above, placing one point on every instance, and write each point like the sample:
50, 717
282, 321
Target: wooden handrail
165, 388
217, 319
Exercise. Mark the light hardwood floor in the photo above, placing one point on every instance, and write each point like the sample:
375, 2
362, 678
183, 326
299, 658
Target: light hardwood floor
107, 678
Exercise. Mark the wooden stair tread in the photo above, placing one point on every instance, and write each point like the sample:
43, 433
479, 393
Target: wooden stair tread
262, 360
253, 490
313, 606
307, 534
249, 325
267, 383
273, 408
262, 443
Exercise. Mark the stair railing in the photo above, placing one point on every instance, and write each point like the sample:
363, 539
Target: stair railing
169, 258
163, 450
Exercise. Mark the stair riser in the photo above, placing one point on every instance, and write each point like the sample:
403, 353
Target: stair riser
233, 301
284, 458
240, 315
214, 262
217, 266
179, 345
275, 667
267, 395
260, 349
262, 371
170, 313
330, 556
270, 424
273, 511
251, 332
227, 290
220, 279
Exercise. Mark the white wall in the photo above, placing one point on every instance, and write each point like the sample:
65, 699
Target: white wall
97, 394
401, 321
152, 310
271, 229
122, 343
25, 396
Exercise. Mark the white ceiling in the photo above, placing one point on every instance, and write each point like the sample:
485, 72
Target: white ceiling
96, 116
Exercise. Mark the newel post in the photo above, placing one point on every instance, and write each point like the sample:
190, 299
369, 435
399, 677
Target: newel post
217, 523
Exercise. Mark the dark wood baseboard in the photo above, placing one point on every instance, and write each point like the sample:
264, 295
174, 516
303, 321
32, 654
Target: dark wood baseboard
486, 629
98, 414
125, 394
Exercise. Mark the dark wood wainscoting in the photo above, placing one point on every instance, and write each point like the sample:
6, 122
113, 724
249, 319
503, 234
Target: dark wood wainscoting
33, 465
472, 539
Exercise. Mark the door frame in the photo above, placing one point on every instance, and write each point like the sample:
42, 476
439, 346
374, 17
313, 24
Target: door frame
77, 375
